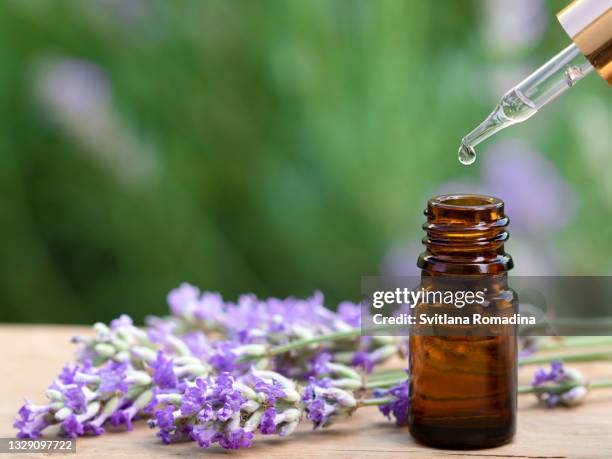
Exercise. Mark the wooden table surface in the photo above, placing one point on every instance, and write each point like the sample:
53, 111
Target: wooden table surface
33, 355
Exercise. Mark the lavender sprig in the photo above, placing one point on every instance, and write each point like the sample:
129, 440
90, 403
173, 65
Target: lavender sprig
84, 398
228, 411
559, 386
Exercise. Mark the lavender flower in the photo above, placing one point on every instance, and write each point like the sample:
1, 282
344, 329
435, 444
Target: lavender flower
325, 405
163, 372
121, 342
227, 411
559, 386
84, 397
367, 360
397, 407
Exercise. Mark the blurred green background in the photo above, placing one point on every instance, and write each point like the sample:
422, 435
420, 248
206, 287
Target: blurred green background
277, 147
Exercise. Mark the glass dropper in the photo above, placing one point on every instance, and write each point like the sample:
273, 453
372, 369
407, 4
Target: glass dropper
524, 100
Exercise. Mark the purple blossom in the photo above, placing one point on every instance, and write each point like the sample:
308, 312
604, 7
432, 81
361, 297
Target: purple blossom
319, 364
67, 374
236, 439
194, 397
214, 401
123, 321
163, 372
160, 330
197, 343
324, 404
556, 373
32, 420
93, 429
165, 423
112, 377
319, 412
224, 357
350, 313
125, 417
271, 390
183, 298
210, 307
562, 386
267, 425
363, 359
398, 407
225, 411
74, 398
71, 427
205, 436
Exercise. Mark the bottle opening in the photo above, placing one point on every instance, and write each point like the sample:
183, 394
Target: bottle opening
466, 202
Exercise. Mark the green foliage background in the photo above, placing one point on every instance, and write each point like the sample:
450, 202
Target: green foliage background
293, 143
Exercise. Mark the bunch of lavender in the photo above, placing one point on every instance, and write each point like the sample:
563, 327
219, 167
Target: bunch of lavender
301, 338
228, 411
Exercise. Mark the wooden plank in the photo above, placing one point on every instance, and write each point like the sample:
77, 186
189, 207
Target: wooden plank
33, 355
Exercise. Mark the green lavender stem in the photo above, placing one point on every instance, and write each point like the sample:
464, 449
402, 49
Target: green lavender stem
583, 357
300, 343
376, 401
564, 387
384, 382
575, 342
399, 375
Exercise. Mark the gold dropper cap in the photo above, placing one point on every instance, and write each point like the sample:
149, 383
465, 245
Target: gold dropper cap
589, 25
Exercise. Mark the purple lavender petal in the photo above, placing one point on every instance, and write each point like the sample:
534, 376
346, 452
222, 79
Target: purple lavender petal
204, 435
74, 398
93, 429
32, 422
267, 426
165, 422
122, 321
272, 391
223, 358
398, 408
236, 439
67, 374
210, 307
350, 313
555, 374
71, 427
163, 372
197, 343
319, 364
183, 298
112, 377
362, 359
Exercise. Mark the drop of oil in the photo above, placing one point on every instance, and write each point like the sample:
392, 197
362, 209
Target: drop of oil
467, 154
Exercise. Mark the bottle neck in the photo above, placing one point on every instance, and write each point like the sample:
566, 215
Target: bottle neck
465, 235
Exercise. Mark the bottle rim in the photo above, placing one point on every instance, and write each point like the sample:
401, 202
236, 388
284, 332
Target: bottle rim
466, 202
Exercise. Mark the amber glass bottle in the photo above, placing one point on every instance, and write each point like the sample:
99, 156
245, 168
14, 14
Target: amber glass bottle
463, 383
